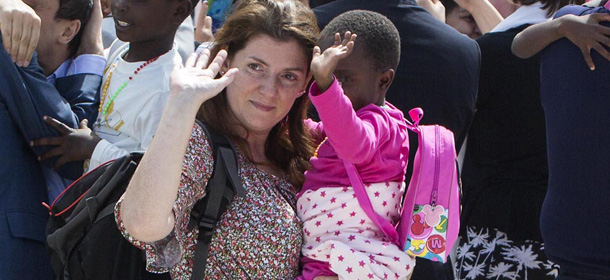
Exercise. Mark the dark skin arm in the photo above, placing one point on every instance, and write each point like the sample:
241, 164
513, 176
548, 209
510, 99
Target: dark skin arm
72, 145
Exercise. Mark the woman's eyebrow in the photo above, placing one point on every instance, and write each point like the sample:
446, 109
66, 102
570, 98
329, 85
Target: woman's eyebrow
259, 60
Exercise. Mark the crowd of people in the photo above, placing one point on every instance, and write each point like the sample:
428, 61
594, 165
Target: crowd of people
301, 89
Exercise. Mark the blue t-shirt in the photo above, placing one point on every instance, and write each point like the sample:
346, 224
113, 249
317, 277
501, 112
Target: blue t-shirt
575, 219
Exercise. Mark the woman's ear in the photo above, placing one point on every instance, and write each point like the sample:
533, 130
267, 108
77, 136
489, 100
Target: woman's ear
385, 80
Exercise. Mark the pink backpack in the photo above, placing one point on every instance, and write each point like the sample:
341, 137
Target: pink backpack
430, 217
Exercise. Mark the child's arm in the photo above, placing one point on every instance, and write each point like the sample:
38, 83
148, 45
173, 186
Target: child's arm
323, 64
584, 31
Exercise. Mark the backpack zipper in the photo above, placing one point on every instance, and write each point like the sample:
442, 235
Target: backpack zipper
437, 163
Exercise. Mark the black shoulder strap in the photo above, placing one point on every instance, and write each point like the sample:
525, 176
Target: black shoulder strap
222, 186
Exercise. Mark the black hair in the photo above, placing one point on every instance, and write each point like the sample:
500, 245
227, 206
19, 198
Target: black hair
71, 10
550, 5
376, 34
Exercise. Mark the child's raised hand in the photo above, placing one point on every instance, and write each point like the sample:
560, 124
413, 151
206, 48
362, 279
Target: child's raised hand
195, 83
323, 64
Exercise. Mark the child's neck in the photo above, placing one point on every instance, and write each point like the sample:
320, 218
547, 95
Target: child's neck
143, 51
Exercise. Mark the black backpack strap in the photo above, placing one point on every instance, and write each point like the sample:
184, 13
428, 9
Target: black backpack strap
222, 186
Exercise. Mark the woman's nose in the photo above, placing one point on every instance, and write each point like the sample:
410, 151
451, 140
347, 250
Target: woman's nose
269, 85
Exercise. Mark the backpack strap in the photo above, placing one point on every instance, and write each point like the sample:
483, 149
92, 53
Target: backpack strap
364, 201
222, 186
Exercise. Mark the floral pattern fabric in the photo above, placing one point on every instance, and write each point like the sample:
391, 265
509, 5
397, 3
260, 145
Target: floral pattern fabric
489, 254
258, 237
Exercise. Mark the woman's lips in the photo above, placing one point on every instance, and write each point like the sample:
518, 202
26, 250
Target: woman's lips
262, 107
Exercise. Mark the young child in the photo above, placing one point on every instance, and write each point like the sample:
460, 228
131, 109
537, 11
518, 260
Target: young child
360, 127
135, 85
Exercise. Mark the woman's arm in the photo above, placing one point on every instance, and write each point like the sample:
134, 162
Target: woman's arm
484, 13
584, 31
147, 204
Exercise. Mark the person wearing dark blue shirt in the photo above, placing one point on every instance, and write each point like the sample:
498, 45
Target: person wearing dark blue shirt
575, 215
26, 95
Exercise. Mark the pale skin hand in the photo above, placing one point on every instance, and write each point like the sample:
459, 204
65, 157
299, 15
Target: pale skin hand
203, 29
584, 31
147, 204
91, 38
20, 27
323, 64
484, 13
434, 7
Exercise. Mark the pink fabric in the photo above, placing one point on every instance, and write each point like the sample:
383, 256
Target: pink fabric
338, 232
607, 6
313, 268
338, 236
374, 139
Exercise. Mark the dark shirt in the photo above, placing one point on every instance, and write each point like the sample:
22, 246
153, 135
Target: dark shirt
575, 220
505, 166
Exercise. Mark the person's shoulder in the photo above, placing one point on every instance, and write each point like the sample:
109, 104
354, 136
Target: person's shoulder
579, 10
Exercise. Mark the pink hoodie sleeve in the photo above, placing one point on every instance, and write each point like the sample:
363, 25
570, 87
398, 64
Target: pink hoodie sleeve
354, 136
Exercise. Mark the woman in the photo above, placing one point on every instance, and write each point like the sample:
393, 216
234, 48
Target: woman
505, 174
266, 72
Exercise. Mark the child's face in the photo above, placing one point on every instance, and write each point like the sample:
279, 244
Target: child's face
144, 20
358, 78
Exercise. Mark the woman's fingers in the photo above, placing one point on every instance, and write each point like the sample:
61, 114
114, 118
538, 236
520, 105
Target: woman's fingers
217, 62
203, 59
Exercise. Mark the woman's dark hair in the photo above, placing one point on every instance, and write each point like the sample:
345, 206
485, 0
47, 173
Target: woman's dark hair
289, 145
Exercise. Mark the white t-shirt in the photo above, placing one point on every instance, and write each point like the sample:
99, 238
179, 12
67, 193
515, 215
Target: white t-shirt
132, 118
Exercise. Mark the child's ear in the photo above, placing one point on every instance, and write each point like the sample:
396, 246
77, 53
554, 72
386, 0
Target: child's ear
385, 80
183, 9
68, 29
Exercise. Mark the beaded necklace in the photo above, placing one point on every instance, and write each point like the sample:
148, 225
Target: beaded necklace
109, 77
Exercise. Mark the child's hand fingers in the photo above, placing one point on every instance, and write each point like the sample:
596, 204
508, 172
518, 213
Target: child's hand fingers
203, 59
346, 37
316, 51
48, 141
59, 126
58, 151
337, 39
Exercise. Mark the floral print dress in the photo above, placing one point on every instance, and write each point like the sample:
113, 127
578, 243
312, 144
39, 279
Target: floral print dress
258, 237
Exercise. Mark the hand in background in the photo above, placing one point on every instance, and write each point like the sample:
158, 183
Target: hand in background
91, 38
203, 29
72, 145
323, 64
586, 33
20, 27
434, 7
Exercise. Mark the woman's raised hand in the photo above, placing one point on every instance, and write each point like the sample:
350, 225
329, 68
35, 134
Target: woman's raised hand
323, 64
196, 82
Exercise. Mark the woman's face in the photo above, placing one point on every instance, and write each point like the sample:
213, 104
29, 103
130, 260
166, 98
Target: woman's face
462, 21
272, 74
